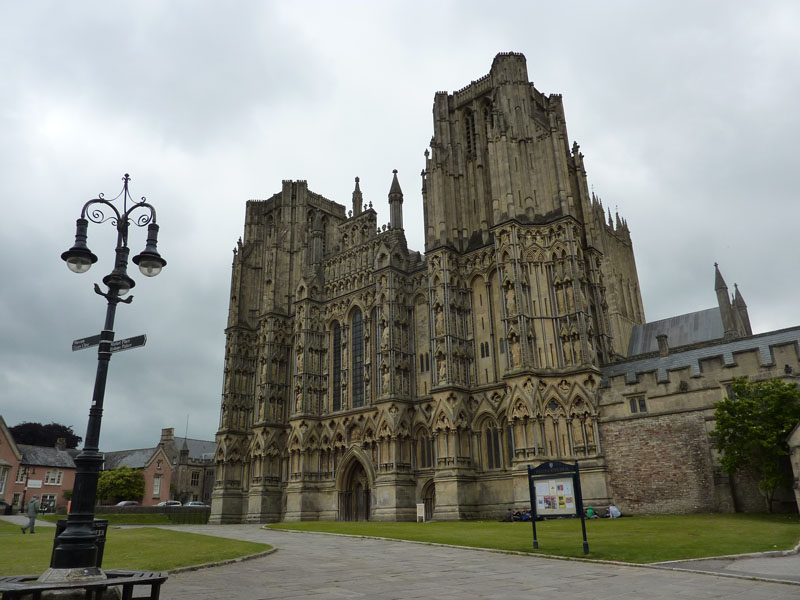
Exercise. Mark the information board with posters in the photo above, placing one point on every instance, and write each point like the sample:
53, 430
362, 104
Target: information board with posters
555, 497
555, 489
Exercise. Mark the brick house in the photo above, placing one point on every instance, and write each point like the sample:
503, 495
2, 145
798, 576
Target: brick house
154, 465
10, 457
176, 469
193, 465
26, 470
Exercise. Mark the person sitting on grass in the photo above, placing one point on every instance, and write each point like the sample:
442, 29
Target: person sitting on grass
526, 516
590, 514
517, 515
613, 512
508, 518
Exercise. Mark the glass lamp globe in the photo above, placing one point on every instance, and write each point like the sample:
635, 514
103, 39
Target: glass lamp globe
79, 264
150, 267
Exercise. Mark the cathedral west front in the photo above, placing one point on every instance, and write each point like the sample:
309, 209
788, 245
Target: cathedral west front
363, 378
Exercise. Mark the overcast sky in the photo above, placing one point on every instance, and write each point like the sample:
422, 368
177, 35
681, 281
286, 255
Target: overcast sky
686, 112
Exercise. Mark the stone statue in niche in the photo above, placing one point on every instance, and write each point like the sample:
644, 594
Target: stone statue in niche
511, 301
386, 381
385, 337
516, 353
300, 362
442, 368
567, 352
439, 321
298, 404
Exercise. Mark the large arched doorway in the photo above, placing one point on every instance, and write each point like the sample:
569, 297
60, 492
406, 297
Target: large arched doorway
429, 499
354, 498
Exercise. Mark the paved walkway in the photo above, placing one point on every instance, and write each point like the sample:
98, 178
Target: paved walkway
319, 566
324, 566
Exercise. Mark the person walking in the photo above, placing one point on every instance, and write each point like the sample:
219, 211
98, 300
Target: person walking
32, 511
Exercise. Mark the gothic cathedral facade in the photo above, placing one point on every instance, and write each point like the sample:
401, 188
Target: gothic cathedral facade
363, 378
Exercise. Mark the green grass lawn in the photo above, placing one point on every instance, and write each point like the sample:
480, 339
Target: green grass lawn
640, 539
142, 548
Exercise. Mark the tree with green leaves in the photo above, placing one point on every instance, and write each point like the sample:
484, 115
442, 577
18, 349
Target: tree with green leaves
118, 484
752, 426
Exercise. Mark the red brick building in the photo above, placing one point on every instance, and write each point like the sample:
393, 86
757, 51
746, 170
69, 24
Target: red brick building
27, 470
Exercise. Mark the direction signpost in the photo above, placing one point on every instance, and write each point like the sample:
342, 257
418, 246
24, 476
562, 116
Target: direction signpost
136, 341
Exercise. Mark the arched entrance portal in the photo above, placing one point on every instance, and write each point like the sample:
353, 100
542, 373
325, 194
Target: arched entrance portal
354, 499
429, 498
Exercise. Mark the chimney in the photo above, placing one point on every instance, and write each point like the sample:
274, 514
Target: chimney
167, 435
663, 344
61, 444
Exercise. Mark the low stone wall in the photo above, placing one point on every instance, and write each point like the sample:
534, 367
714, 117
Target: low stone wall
660, 464
176, 514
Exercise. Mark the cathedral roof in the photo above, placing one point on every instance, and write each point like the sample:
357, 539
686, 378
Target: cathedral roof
683, 330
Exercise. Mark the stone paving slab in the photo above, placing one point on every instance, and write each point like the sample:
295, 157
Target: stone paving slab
331, 567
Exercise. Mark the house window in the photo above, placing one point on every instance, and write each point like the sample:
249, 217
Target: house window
638, 404
48, 502
22, 474
3, 477
195, 478
156, 486
53, 477
159, 463
337, 368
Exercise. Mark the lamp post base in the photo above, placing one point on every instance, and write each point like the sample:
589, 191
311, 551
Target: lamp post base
77, 575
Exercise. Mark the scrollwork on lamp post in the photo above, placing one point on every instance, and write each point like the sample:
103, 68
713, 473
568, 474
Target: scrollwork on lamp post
76, 546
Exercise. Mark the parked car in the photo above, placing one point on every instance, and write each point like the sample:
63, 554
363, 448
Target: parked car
196, 503
5, 508
127, 503
169, 503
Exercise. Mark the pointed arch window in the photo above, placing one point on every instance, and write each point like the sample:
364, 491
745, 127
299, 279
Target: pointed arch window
492, 439
337, 368
358, 359
470, 131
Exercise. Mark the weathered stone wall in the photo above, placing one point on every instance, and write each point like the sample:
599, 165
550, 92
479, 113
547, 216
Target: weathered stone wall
660, 464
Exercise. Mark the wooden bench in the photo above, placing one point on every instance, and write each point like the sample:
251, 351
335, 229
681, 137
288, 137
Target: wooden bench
18, 587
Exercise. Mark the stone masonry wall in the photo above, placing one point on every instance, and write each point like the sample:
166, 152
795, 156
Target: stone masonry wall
660, 464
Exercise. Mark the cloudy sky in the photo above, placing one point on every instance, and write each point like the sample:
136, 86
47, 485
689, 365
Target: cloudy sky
687, 113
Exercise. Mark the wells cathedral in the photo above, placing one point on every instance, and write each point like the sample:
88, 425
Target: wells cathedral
363, 378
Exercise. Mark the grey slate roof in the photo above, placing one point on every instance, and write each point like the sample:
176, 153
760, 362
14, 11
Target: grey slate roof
45, 457
135, 459
197, 448
691, 358
683, 330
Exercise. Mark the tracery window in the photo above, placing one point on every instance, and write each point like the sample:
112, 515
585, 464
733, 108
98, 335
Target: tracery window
425, 451
358, 359
492, 439
337, 368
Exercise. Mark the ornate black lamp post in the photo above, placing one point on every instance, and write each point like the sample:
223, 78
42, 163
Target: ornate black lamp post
76, 547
